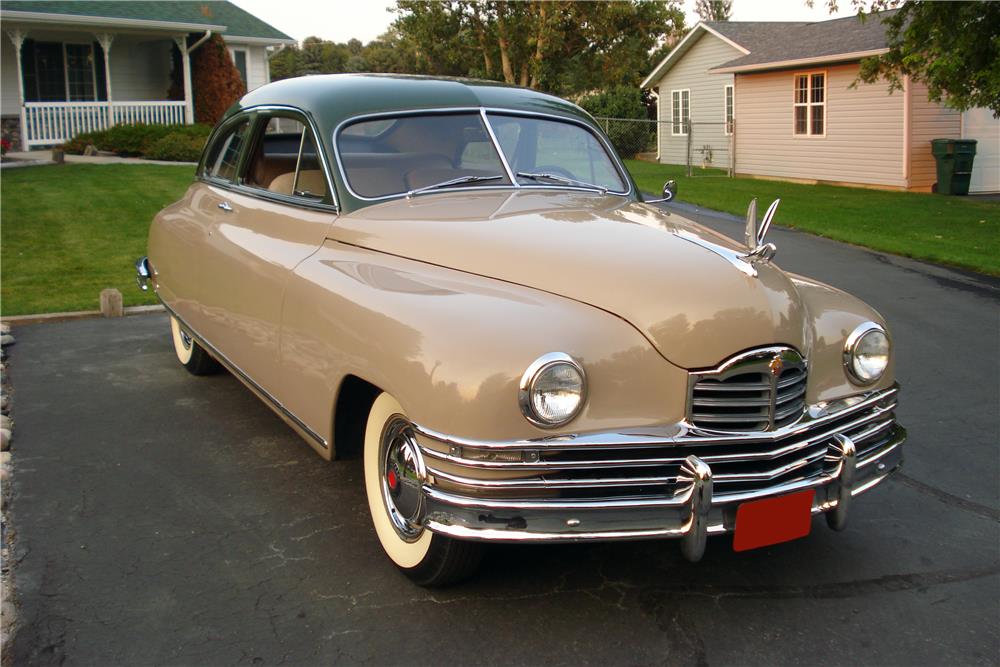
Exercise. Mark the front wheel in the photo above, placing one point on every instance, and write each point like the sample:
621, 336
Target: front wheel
392, 483
191, 355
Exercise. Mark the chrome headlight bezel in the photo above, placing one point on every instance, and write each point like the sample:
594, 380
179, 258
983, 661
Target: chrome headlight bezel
529, 379
851, 347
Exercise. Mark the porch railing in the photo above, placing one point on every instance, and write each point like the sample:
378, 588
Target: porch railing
49, 123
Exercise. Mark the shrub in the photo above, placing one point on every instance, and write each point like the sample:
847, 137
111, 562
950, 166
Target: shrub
149, 141
176, 147
628, 138
215, 80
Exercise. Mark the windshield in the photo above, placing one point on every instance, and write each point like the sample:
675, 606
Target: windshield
386, 157
536, 147
414, 154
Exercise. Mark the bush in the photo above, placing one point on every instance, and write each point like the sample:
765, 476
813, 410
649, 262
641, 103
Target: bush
216, 81
628, 138
176, 147
149, 141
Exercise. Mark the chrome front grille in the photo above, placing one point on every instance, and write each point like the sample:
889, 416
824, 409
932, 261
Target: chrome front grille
759, 390
647, 463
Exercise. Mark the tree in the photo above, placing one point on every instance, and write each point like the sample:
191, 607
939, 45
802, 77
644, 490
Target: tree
559, 46
714, 10
620, 102
953, 47
215, 81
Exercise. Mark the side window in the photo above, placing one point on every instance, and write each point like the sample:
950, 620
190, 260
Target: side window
285, 161
224, 155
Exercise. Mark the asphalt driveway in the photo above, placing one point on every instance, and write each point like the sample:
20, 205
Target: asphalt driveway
167, 519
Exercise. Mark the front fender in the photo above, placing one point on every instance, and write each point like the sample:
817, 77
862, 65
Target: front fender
451, 347
831, 316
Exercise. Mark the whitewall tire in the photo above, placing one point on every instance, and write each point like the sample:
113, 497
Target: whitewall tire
393, 472
192, 356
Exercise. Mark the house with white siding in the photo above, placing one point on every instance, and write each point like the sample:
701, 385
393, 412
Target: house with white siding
784, 97
78, 66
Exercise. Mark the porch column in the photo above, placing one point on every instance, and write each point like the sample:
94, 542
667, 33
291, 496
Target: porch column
105, 40
181, 42
17, 37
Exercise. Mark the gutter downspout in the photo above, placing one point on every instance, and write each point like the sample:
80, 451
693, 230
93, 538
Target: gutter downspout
204, 38
906, 131
186, 52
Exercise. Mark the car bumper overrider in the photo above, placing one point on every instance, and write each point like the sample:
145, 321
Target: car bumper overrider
676, 482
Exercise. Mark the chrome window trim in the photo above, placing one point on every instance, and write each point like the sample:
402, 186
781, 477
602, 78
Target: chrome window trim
242, 188
482, 111
608, 148
851, 343
236, 119
496, 144
527, 384
245, 377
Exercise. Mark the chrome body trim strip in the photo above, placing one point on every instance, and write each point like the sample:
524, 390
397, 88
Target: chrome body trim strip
214, 351
680, 434
482, 112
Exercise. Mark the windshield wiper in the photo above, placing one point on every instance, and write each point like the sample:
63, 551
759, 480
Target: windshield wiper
562, 179
454, 181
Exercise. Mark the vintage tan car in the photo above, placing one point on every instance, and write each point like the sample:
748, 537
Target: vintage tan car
460, 282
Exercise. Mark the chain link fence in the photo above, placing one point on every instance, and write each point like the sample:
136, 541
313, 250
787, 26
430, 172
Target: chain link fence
705, 148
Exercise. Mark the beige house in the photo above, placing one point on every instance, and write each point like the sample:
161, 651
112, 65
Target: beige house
72, 67
793, 112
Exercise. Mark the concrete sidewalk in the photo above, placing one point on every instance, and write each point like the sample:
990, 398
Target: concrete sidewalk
32, 158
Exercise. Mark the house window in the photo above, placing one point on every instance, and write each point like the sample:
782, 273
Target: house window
240, 60
810, 104
63, 72
680, 101
730, 109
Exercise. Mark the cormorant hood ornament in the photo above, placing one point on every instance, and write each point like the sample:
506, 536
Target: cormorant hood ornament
757, 250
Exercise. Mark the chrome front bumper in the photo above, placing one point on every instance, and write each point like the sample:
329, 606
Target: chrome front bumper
838, 450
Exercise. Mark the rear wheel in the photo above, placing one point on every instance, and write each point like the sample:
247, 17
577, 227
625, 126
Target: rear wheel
191, 355
393, 471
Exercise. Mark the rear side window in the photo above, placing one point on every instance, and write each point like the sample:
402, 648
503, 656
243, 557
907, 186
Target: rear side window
285, 161
224, 155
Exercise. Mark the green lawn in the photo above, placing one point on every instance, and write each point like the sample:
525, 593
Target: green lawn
960, 231
67, 232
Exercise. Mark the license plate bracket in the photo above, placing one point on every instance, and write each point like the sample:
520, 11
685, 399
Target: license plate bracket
761, 523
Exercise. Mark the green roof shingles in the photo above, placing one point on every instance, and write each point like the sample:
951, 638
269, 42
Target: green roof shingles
238, 22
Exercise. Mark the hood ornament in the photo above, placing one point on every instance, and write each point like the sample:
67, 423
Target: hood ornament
753, 237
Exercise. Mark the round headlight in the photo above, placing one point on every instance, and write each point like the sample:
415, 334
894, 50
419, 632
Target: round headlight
552, 390
866, 354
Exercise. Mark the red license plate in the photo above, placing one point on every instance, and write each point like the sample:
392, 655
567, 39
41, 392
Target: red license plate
773, 520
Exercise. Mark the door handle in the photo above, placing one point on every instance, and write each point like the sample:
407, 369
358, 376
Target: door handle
225, 206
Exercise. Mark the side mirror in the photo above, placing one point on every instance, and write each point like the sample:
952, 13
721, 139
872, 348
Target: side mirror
669, 192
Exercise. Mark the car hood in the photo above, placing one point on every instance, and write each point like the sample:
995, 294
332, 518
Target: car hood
672, 279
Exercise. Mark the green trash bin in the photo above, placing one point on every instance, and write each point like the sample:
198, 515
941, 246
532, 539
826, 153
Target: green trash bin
954, 164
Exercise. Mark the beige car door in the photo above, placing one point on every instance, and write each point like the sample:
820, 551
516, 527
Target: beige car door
275, 215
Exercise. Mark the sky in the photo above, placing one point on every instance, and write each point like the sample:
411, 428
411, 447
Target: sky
340, 20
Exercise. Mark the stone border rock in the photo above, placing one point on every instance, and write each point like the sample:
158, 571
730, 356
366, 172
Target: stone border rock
42, 318
8, 607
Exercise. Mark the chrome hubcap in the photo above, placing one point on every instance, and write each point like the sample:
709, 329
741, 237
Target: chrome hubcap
185, 340
401, 473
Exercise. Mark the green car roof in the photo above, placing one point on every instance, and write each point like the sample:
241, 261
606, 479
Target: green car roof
333, 99
238, 22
